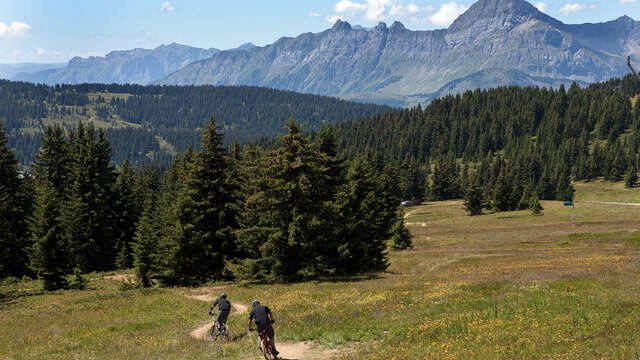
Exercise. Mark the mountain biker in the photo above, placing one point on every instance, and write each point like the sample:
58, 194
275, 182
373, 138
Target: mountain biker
224, 308
263, 318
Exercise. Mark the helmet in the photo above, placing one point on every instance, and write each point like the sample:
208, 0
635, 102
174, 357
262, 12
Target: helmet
223, 295
255, 303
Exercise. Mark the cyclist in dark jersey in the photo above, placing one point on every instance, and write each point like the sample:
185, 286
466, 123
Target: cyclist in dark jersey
263, 318
224, 308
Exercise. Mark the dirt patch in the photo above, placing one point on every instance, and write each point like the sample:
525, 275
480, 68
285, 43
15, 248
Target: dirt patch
129, 278
200, 332
307, 350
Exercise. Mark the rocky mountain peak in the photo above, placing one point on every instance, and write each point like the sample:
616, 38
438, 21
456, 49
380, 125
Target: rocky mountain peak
517, 11
624, 19
380, 27
397, 26
341, 26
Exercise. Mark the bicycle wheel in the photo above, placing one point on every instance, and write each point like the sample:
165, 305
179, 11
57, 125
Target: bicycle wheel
224, 331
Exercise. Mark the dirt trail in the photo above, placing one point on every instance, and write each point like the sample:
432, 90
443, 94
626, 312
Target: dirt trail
288, 350
201, 331
122, 277
306, 350
611, 203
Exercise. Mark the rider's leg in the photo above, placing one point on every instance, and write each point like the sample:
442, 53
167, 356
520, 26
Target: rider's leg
271, 334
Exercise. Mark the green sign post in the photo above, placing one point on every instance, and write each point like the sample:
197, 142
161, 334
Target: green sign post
573, 206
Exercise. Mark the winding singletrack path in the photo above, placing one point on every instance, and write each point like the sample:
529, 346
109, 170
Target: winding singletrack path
305, 350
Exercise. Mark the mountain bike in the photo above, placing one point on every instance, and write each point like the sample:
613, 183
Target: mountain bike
219, 331
266, 346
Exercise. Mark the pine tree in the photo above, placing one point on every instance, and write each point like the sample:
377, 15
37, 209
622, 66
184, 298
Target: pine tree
502, 192
286, 220
206, 214
631, 177
534, 205
13, 236
145, 246
363, 233
49, 256
89, 219
54, 162
125, 216
400, 235
78, 282
474, 200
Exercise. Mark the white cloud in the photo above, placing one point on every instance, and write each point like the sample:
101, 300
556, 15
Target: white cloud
412, 8
40, 51
344, 6
447, 13
381, 10
15, 29
334, 18
315, 14
542, 6
567, 9
628, 1
166, 6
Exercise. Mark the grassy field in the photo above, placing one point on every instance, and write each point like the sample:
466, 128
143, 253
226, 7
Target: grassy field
496, 286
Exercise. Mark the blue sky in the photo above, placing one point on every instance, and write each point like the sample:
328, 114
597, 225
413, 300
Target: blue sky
56, 30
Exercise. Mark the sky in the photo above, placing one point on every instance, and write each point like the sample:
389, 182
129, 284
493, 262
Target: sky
57, 30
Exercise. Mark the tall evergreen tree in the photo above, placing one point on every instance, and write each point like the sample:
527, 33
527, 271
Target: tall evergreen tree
125, 212
400, 235
89, 219
49, 255
206, 209
363, 232
474, 200
145, 247
13, 198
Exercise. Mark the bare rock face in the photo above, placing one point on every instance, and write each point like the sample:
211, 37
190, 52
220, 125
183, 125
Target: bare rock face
391, 64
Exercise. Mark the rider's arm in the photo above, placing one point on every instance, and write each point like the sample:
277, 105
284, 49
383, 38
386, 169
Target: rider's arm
271, 317
250, 321
214, 304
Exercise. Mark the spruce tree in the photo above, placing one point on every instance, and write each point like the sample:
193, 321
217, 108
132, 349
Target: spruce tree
125, 215
400, 235
145, 246
534, 205
49, 256
502, 192
13, 198
474, 200
631, 177
363, 234
206, 209
89, 218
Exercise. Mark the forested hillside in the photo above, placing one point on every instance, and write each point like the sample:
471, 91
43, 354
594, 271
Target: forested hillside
291, 213
530, 140
154, 123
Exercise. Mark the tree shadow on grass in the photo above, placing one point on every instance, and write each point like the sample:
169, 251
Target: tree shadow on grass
353, 278
6, 298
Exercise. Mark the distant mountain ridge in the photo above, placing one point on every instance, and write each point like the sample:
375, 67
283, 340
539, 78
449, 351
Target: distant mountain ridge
7, 71
135, 66
395, 65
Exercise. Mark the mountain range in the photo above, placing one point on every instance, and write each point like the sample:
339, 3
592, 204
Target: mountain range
8, 71
494, 43
136, 66
396, 65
